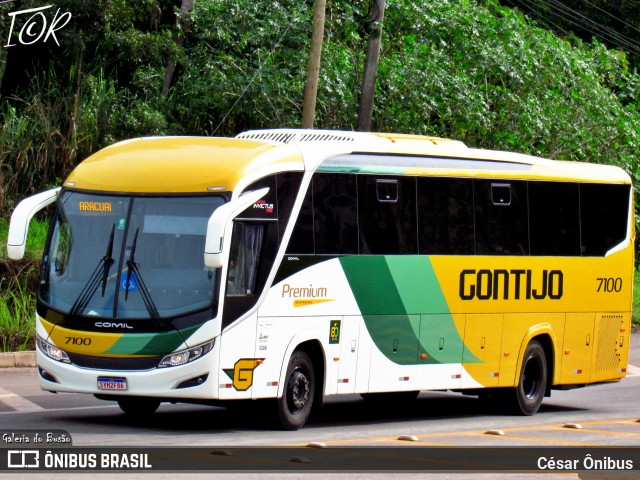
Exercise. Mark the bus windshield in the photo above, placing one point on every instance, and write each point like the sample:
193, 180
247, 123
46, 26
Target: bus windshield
129, 257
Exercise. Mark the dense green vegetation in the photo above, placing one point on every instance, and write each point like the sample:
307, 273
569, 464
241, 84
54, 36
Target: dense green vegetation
18, 282
477, 71
616, 24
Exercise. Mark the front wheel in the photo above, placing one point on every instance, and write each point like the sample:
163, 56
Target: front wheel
294, 407
533, 380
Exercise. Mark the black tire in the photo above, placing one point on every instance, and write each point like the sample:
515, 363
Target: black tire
294, 407
138, 406
532, 383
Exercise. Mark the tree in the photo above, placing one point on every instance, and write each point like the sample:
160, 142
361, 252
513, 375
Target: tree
313, 68
367, 95
182, 27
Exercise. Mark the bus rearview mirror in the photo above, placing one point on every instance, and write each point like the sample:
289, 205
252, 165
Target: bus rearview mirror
214, 248
20, 219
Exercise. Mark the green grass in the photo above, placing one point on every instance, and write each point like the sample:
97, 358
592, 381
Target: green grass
17, 301
17, 307
36, 238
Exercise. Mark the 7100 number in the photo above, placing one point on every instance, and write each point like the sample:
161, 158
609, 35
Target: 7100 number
609, 285
77, 341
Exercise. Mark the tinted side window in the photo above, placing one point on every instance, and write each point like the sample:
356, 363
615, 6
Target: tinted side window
554, 218
252, 252
445, 216
604, 211
387, 215
335, 223
254, 244
501, 217
287, 185
301, 240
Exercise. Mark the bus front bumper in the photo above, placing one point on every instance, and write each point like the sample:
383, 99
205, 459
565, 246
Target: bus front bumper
195, 380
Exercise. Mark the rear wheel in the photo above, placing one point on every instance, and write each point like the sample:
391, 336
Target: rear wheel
533, 380
294, 407
138, 406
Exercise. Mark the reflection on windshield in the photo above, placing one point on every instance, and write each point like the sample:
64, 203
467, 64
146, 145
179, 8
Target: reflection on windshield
99, 276
162, 238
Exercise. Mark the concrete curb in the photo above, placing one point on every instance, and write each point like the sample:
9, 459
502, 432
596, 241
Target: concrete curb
17, 359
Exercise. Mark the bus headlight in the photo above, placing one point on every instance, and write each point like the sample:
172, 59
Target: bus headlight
186, 356
52, 351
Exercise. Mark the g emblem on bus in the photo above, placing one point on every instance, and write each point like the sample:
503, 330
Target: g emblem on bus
242, 373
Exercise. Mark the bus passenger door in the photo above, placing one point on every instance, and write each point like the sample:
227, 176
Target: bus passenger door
483, 344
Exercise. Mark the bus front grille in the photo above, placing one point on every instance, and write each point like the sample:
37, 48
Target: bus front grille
114, 363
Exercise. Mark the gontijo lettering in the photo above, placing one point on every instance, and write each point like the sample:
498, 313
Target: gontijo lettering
518, 284
95, 206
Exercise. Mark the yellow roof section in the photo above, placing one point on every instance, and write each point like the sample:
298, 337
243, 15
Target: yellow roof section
407, 141
201, 164
180, 164
427, 156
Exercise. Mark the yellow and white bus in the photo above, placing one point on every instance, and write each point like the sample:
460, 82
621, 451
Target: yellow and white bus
292, 265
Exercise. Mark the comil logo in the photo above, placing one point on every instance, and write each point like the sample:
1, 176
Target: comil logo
23, 459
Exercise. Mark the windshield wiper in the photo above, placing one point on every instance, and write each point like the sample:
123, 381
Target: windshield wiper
132, 267
99, 275
108, 260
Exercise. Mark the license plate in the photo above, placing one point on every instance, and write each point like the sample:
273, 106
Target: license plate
112, 383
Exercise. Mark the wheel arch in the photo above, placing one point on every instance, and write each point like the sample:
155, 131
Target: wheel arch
547, 345
310, 343
543, 334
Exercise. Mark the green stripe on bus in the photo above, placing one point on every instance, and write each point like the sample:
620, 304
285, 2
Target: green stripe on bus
371, 169
404, 309
151, 343
417, 284
372, 285
394, 333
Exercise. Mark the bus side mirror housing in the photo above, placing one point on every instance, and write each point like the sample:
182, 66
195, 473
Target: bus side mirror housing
20, 219
214, 248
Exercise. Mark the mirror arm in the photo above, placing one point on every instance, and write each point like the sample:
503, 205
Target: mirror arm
21, 217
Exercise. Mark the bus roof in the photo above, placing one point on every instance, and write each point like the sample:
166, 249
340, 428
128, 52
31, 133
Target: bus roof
402, 154
180, 164
205, 164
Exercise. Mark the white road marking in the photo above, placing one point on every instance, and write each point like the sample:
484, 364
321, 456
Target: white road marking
115, 405
18, 403
633, 371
